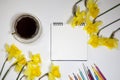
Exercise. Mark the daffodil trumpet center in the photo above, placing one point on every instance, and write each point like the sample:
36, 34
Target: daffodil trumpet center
106, 12
46, 74
3, 66
107, 26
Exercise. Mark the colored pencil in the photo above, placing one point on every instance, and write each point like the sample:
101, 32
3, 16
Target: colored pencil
97, 73
75, 77
79, 78
100, 72
90, 74
96, 77
70, 77
82, 75
86, 72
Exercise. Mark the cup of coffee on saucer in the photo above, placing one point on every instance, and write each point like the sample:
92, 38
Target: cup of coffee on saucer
26, 28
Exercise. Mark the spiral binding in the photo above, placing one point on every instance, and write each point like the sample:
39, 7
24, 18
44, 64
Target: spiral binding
58, 23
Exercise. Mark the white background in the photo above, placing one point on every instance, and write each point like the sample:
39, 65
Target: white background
49, 11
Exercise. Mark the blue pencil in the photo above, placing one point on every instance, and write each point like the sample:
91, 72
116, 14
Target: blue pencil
96, 77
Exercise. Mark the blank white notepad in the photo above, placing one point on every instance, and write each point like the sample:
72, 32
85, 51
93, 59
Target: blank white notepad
68, 43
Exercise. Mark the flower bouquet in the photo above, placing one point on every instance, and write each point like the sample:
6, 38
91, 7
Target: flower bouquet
88, 18
28, 69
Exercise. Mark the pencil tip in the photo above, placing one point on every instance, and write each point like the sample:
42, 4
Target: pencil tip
79, 70
73, 74
94, 64
70, 77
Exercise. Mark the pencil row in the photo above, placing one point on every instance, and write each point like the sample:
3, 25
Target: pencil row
96, 75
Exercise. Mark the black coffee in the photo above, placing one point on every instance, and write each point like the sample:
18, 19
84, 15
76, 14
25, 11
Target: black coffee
26, 27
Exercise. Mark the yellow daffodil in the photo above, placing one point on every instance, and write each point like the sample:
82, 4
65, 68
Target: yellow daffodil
109, 42
54, 72
91, 27
32, 71
93, 8
33, 67
94, 41
79, 18
13, 51
35, 58
21, 61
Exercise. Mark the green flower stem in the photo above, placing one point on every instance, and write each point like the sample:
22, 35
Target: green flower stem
113, 33
20, 72
85, 3
75, 8
8, 70
106, 12
22, 77
107, 26
46, 74
3, 66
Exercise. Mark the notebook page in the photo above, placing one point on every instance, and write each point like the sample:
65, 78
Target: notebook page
68, 43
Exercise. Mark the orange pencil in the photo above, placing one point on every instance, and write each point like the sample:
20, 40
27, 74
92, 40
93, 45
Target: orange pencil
79, 78
70, 77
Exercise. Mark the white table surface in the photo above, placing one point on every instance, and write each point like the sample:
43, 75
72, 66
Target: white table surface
49, 11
